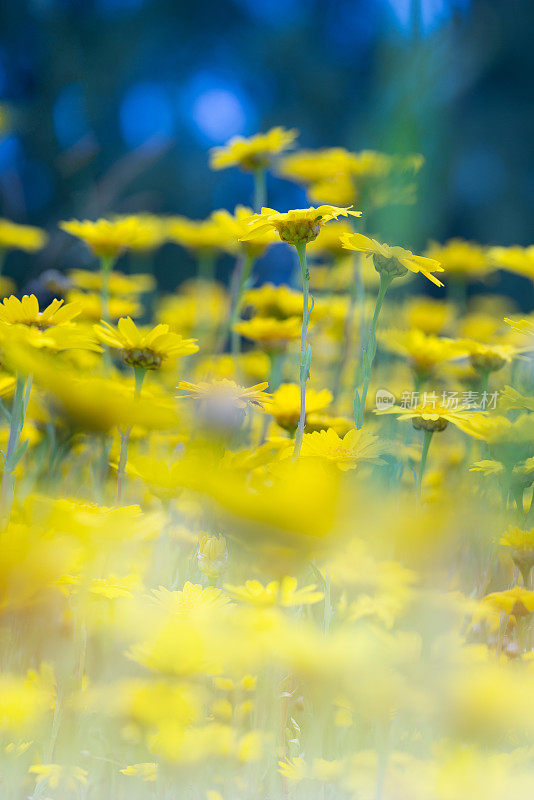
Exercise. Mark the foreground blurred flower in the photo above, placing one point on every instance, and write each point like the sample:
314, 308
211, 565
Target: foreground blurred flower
521, 543
221, 404
283, 593
285, 404
212, 555
347, 452
271, 334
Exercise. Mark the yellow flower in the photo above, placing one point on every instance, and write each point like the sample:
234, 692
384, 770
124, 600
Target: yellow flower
423, 351
284, 593
489, 357
393, 261
515, 259
271, 334
460, 258
107, 238
147, 771
521, 543
52, 328
227, 390
299, 226
517, 601
21, 237
285, 404
235, 226
56, 775
119, 283
279, 302
256, 152
525, 326
430, 416
346, 453
212, 555
199, 236
427, 315
26, 312
90, 305
141, 348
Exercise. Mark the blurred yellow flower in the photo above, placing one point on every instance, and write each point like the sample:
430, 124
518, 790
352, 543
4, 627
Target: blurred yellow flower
21, 237
256, 152
144, 348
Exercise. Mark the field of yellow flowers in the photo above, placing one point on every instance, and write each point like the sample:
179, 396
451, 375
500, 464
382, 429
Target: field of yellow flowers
276, 542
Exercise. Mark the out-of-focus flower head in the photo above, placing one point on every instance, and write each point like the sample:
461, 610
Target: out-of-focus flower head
427, 314
461, 258
279, 302
271, 334
90, 305
222, 404
212, 555
515, 259
423, 351
52, 328
21, 237
256, 152
144, 348
347, 452
284, 593
201, 237
285, 404
299, 226
335, 175
431, 416
393, 261
120, 285
236, 226
107, 238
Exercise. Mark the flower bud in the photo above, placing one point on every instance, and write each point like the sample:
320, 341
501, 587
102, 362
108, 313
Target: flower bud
212, 555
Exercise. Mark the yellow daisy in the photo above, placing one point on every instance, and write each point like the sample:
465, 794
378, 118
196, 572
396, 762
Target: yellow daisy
299, 226
21, 237
142, 348
392, 260
256, 152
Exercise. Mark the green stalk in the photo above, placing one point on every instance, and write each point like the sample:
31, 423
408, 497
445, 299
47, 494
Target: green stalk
422, 466
139, 373
368, 353
106, 268
260, 189
15, 450
206, 265
305, 348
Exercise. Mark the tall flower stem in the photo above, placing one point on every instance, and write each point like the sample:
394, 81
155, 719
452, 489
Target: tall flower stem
245, 269
139, 373
367, 355
422, 465
106, 268
260, 189
15, 450
305, 348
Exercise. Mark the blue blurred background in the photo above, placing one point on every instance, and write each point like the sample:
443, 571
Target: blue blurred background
112, 105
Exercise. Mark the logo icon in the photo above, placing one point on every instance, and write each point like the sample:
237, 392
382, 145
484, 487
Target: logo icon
384, 399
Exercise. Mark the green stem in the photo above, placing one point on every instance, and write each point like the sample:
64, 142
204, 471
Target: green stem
245, 269
422, 466
305, 349
206, 265
484, 382
13, 452
368, 353
106, 268
139, 373
260, 189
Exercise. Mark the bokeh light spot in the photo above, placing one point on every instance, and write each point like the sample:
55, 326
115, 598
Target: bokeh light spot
145, 113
